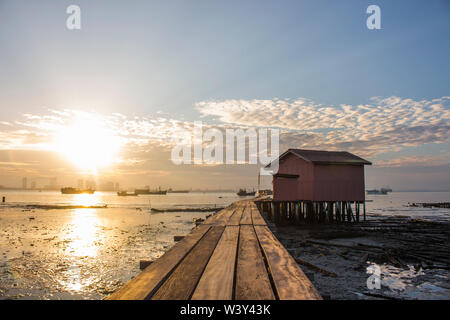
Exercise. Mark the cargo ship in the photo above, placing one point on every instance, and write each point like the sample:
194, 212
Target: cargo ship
375, 191
148, 191
244, 193
70, 190
177, 191
126, 194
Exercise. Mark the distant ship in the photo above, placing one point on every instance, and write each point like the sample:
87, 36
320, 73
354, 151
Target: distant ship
126, 194
244, 193
70, 190
148, 191
375, 191
177, 191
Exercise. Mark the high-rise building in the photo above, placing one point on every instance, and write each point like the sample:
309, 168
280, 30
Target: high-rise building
90, 184
107, 186
33, 184
24, 183
80, 184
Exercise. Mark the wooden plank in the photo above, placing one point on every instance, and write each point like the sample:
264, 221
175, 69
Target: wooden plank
225, 216
252, 280
147, 282
246, 216
236, 217
290, 281
181, 283
256, 215
215, 219
212, 220
216, 282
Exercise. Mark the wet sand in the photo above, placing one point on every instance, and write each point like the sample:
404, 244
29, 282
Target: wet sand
81, 253
413, 256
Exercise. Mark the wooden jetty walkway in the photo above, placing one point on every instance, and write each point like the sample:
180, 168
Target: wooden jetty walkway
231, 256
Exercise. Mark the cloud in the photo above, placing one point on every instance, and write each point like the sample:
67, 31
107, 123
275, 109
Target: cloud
134, 131
379, 131
415, 161
384, 124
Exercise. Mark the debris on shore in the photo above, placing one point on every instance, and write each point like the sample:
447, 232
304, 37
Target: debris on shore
64, 207
445, 205
413, 257
207, 209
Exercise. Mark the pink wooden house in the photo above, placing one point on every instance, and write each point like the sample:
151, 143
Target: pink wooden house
316, 186
310, 175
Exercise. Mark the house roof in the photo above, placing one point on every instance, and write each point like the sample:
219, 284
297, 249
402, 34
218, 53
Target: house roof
326, 157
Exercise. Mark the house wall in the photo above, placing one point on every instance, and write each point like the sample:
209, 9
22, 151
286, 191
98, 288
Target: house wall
289, 189
318, 182
339, 183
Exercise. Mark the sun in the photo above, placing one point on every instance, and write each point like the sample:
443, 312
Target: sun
88, 144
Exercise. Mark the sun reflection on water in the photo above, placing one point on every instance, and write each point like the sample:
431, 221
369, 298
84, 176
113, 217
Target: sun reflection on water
83, 241
85, 199
84, 237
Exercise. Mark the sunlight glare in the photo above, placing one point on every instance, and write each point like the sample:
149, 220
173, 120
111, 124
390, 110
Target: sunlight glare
88, 144
85, 234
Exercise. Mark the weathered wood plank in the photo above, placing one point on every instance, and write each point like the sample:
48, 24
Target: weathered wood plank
246, 216
181, 283
252, 280
290, 281
225, 216
147, 282
216, 282
216, 218
211, 220
257, 219
236, 217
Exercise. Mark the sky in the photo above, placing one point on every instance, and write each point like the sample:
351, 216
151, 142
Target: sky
143, 70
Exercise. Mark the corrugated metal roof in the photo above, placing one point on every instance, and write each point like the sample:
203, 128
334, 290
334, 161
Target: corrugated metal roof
327, 157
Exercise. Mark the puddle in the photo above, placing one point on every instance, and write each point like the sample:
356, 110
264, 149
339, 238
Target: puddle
411, 283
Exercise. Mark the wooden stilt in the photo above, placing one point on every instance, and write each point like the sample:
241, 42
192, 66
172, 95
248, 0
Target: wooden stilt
322, 212
344, 211
357, 211
302, 216
330, 211
303, 204
350, 213
316, 211
291, 211
338, 214
296, 213
364, 206
276, 213
284, 209
309, 212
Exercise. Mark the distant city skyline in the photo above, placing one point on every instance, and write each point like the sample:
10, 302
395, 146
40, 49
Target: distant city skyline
105, 101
